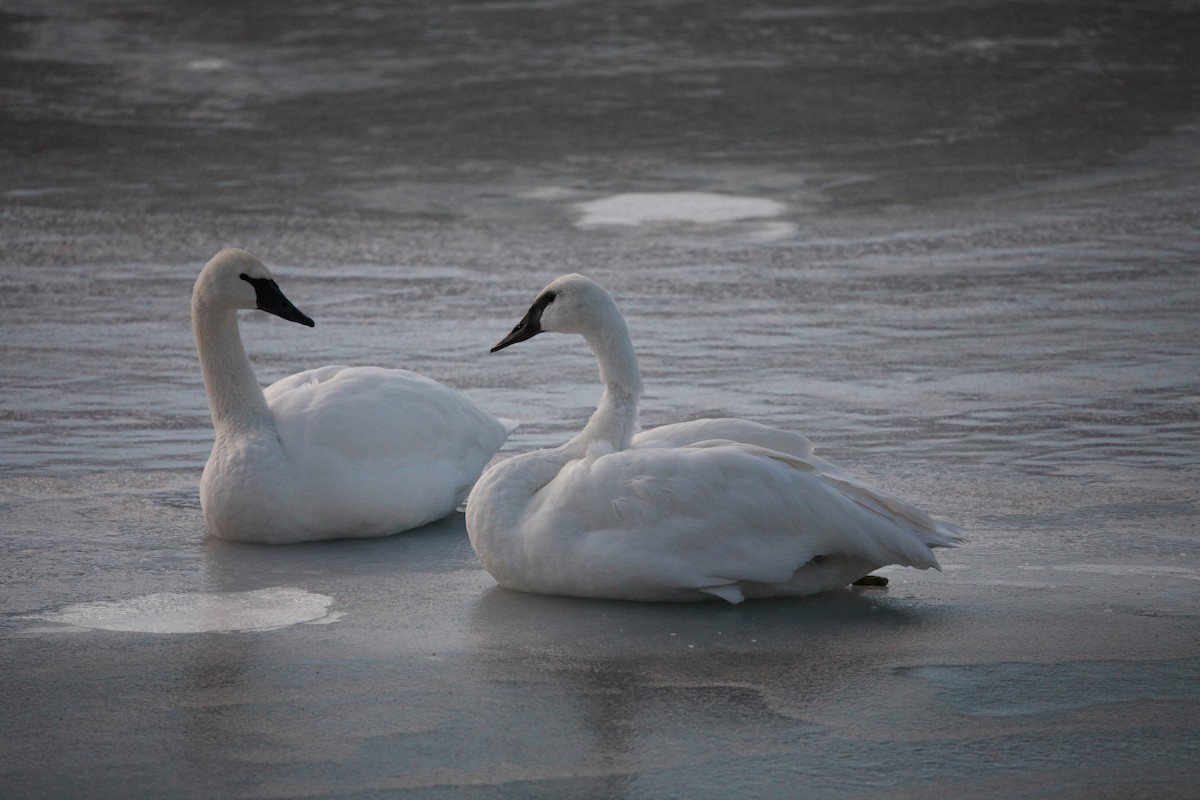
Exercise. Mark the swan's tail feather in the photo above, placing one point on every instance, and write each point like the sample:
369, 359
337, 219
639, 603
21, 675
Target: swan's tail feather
919, 531
948, 534
932, 532
729, 592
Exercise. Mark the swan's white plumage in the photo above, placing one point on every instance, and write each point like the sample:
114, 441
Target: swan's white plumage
332, 452
716, 507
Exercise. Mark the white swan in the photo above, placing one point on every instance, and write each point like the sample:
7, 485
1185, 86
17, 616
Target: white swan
715, 507
333, 452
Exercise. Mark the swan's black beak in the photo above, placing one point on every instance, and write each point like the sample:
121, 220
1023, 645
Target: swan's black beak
530, 325
270, 299
527, 328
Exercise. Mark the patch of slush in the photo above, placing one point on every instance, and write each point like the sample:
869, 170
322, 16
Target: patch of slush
171, 612
696, 208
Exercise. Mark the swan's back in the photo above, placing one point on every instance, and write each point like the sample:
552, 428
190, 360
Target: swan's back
367, 412
737, 430
389, 448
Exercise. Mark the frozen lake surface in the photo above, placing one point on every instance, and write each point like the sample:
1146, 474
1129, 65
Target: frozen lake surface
955, 244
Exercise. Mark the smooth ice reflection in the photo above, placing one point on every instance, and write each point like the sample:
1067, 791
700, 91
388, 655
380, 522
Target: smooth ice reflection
170, 612
1017, 689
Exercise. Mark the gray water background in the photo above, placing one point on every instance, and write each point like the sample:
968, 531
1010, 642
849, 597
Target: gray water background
982, 295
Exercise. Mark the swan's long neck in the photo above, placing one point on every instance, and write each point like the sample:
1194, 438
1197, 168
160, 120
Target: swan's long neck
615, 420
499, 505
234, 396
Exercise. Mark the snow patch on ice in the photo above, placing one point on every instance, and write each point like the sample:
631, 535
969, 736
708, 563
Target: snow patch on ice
171, 612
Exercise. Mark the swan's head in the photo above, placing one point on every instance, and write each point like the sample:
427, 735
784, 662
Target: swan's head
570, 304
236, 279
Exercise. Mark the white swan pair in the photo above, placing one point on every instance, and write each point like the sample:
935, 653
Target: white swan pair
723, 507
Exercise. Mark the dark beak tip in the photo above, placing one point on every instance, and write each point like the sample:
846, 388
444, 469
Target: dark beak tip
519, 334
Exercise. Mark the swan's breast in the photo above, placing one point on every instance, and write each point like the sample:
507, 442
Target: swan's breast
246, 485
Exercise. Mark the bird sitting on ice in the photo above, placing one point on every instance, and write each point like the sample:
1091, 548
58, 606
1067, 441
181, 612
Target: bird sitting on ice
333, 452
711, 508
